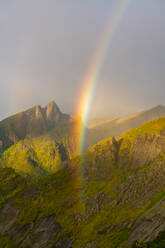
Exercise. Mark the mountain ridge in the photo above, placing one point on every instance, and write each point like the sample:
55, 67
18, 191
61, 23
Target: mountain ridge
117, 127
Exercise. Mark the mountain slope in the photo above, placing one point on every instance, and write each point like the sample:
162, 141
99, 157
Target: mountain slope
98, 122
37, 157
38, 141
116, 127
28, 212
112, 196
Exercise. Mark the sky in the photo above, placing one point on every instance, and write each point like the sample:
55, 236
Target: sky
46, 48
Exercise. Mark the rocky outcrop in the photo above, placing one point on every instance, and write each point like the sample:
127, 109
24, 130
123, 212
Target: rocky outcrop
52, 112
149, 225
16, 230
37, 234
143, 150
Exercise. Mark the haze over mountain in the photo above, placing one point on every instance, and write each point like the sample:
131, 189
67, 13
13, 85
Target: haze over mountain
101, 129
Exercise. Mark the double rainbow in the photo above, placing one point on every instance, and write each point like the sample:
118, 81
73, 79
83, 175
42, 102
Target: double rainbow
91, 81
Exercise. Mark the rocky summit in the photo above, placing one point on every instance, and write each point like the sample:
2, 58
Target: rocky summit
30, 123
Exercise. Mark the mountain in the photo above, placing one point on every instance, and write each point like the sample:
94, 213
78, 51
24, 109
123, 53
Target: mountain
101, 129
112, 196
30, 123
38, 141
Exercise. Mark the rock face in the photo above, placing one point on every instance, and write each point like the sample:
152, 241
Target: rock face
31, 231
52, 112
134, 168
36, 234
149, 225
30, 123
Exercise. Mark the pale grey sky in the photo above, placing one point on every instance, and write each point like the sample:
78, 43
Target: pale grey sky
46, 47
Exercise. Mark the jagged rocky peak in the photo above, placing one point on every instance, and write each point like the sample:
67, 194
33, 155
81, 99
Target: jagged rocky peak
52, 111
38, 112
29, 123
35, 111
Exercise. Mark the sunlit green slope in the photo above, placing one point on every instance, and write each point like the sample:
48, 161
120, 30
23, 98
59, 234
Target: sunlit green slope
113, 196
38, 141
36, 157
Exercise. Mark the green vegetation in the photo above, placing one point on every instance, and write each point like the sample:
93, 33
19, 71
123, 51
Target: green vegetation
40, 156
6, 242
159, 242
95, 200
11, 184
150, 128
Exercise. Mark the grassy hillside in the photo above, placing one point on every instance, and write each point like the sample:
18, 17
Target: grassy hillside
112, 196
38, 141
37, 157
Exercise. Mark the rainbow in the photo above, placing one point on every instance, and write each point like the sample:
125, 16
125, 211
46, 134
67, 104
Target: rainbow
91, 81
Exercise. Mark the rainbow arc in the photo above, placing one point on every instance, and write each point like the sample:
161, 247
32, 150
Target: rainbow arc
92, 79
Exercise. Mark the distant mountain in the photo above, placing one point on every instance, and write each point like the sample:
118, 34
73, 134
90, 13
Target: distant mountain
102, 129
98, 122
112, 196
30, 123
